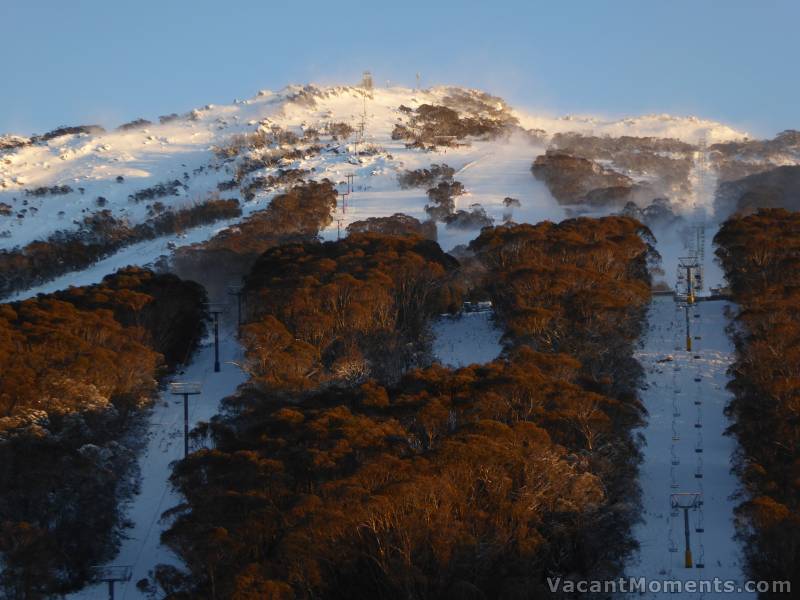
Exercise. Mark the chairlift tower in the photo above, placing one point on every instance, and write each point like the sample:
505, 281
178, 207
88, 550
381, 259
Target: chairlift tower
688, 330
361, 126
688, 268
686, 501
697, 238
236, 289
215, 309
185, 389
111, 574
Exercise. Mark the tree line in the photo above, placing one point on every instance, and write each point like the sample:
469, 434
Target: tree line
296, 215
343, 311
99, 235
78, 366
760, 255
470, 483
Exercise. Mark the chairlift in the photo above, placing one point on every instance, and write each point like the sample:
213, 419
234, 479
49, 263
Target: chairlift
697, 356
698, 379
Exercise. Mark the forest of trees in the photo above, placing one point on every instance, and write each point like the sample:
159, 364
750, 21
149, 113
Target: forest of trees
579, 287
396, 224
344, 311
99, 235
76, 368
470, 483
296, 215
760, 255
432, 124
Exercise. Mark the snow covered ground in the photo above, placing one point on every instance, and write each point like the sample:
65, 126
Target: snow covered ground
685, 396
140, 254
142, 549
467, 338
183, 149
490, 171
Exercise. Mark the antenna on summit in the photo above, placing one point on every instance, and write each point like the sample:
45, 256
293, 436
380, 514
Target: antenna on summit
366, 81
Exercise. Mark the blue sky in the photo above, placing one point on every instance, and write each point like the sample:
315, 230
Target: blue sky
107, 62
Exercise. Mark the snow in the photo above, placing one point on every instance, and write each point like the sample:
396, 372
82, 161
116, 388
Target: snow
142, 549
671, 373
142, 254
467, 338
165, 152
689, 129
490, 171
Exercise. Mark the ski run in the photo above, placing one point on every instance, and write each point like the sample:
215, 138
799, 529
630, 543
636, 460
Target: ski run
684, 447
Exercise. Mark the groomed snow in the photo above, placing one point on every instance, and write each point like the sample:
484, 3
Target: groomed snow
467, 338
671, 396
142, 550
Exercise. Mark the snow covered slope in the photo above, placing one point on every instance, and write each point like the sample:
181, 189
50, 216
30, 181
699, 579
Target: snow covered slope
183, 149
119, 163
689, 129
467, 338
142, 549
686, 450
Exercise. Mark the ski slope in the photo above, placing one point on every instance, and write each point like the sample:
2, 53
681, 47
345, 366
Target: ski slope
119, 163
466, 338
142, 549
183, 149
685, 397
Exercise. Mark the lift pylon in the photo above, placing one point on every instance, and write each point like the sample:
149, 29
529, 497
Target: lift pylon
686, 501
111, 574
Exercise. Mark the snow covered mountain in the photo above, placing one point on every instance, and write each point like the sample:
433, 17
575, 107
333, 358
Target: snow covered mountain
51, 182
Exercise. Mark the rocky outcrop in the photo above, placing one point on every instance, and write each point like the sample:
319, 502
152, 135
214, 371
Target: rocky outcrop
573, 180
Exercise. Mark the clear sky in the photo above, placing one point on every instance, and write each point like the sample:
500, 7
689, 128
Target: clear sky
67, 62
